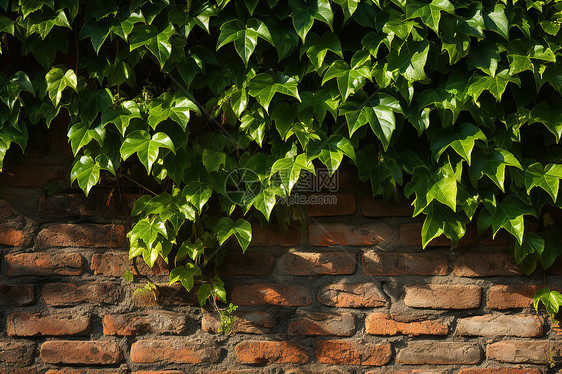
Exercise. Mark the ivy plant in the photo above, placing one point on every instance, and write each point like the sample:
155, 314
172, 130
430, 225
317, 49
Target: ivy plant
452, 103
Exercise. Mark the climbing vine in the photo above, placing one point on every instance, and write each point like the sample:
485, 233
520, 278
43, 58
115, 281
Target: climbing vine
455, 104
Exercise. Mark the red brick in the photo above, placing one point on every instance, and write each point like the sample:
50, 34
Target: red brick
67, 204
341, 352
81, 235
323, 324
521, 351
87, 371
410, 235
379, 208
320, 204
244, 322
262, 352
384, 263
317, 370
309, 263
35, 324
12, 237
160, 372
250, 263
34, 175
346, 295
61, 294
409, 370
16, 352
16, 294
242, 371
19, 370
327, 234
44, 264
502, 239
511, 296
438, 353
484, 265
174, 352
272, 294
175, 295
504, 370
385, 324
128, 324
494, 325
114, 264
441, 296
272, 236
80, 352
6, 210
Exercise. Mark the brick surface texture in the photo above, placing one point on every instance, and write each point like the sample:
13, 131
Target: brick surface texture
351, 292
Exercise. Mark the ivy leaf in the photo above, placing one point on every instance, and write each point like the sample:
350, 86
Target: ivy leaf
121, 118
245, 37
509, 216
495, 85
81, 134
290, 168
349, 7
552, 300
439, 220
332, 153
551, 117
349, 79
485, 56
438, 183
97, 31
493, 166
496, 20
157, 42
532, 244
409, 60
264, 86
87, 172
461, 139
193, 250
146, 147
241, 229
185, 275
167, 106
317, 47
197, 194
304, 12
127, 22
10, 89
265, 200
430, 14
547, 178
213, 160
378, 112
203, 294
57, 80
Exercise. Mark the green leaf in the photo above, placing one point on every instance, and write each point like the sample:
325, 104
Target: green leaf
304, 12
509, 216
265, 200
241, 229
440, 220
81, 134
122, 117
430, 14
97, 31
87, 172
197, 194
349, 79
317, 47
495, 85
193, 250
57, 80
11, 89
551, 117
146, 147
332, 153
532, 244
185, 275
264, 85
290, 168
496, 20
409, 60
213, 160
461, 139
157, 42
245, 37
547, 178
485, 56
203, 293
167, 106
493, 166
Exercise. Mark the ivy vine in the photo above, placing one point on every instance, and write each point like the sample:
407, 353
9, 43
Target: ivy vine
456, 104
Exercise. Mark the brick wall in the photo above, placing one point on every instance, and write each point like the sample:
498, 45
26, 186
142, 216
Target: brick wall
351, 293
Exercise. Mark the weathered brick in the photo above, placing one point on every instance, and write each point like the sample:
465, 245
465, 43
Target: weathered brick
441, 296
34, 175
87, 371
262, 352
385, 324
164, 295
341, 352
346, 295
317, 370
62, 294
438, 353
81, 235
43, 264
80, 352
12, 236
310, 263
407, 370
174, 352
244, 322
503, 370
68, 204
330, 204
379, 208
323, 324
484, 265
16, 294
410, 235
159, 372
272, 236
501, 325
521, 351
19, 370
160, 322
35, 324
249, 263
114, 264
272, 294
511, 296
241, 371
384, 263
6, 210
17, 353
327, 234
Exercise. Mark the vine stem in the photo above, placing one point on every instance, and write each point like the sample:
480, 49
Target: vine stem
138, 184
